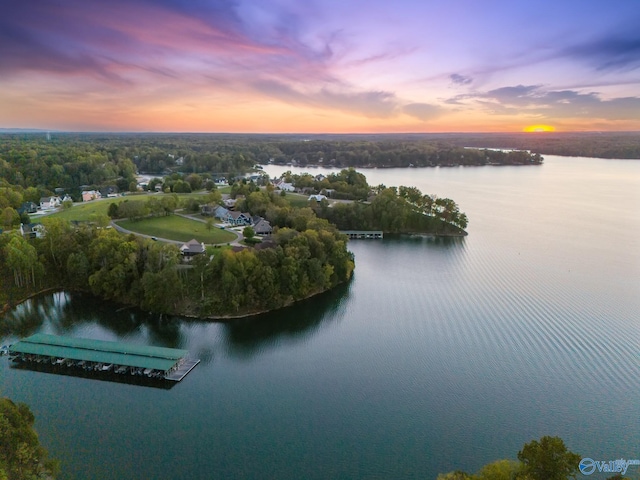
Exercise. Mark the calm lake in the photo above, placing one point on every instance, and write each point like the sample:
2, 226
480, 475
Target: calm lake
441, 354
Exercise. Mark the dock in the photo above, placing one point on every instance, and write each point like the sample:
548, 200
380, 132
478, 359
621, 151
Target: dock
363, 234
102, 356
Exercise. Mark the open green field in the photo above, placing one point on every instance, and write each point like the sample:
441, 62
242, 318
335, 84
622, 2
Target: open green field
175, 227
297, 200
82, 211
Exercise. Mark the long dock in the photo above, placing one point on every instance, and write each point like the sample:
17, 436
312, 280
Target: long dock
103, 356
363, 234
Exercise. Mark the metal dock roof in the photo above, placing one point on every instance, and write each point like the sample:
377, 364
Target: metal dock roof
100, 351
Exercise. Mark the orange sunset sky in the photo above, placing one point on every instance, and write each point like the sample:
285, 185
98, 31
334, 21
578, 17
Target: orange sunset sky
320, 66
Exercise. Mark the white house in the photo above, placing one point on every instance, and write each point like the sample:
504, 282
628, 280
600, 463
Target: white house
287, 187
49, 203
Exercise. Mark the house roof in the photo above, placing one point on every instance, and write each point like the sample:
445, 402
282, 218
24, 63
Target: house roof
236, 215
193, 246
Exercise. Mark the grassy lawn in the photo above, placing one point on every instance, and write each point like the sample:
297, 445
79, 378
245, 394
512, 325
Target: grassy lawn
297, 200
177, 228
83, 211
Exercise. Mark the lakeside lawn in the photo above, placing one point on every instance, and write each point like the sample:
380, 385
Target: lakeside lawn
175, 227
82, 212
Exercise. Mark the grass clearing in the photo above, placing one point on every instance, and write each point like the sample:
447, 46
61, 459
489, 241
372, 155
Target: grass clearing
178, 228
297, 200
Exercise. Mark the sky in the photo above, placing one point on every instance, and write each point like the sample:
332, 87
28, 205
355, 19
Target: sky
315, 66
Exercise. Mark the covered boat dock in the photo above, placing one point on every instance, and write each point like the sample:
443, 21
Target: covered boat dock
104, 356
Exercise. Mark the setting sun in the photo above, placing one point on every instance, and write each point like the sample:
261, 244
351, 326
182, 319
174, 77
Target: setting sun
539, 128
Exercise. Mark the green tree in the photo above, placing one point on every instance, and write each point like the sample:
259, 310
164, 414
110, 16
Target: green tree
248, 232
21, 455
113, 210
499, 470
9, 217
22, 258
457, 475
548, 459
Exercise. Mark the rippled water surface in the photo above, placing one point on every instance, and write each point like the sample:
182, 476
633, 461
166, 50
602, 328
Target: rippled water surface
439, 355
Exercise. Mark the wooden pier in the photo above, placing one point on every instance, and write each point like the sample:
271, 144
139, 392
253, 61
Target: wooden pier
363, 234
181, 371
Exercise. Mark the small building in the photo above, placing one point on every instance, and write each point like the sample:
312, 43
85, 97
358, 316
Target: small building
191, 248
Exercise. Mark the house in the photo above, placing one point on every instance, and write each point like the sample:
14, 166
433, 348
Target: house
67, 198
27, 207
32, 230
49, 203
237, 218
89, 195
262, 226
328, 192
317, 198
282, 185
230, 203
320, 177
109, 192
220, 212
191, 248
208, 210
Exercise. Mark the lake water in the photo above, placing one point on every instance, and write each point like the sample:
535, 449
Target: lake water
441, 354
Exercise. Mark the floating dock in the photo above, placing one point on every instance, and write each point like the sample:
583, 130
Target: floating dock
363, 234
104, 356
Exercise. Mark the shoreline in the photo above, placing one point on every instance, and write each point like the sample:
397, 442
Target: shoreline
123, 306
